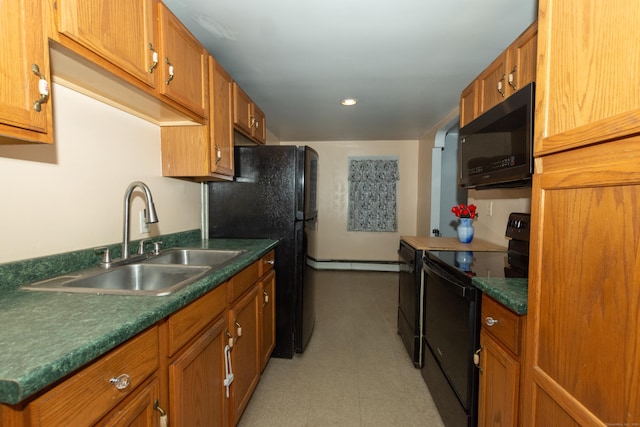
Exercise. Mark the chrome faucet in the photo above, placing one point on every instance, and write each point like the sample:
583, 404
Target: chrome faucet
150, 215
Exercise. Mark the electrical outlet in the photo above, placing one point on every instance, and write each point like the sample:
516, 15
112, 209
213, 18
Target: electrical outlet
144, 227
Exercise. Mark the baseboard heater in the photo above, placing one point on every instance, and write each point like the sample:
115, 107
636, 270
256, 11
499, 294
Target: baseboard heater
391, 266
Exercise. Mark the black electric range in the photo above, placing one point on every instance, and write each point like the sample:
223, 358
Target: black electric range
452, 319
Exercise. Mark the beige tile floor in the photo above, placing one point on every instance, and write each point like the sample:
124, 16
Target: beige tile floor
355, 371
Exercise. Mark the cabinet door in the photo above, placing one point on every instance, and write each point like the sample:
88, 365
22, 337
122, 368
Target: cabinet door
120, 31
142, 409
241, 109
587, 85
492, 84
267, 317
468, 103
584, 291
244, 322
499, 385
21, 23
183, 64
220, 119
522, 60
196, 388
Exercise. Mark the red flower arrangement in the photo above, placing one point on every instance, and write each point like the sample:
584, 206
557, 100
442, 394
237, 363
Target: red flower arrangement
464, 211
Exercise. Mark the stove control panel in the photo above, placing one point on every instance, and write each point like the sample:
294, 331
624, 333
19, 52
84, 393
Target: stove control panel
518, 226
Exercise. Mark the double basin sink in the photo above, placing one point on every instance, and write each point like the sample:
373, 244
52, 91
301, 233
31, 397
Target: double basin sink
157, 275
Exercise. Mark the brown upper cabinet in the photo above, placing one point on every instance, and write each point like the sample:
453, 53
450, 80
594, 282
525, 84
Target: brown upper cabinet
248, 118
183, 64
122, 32
469, 103
25, 114
513, 69
203, 153
141, 42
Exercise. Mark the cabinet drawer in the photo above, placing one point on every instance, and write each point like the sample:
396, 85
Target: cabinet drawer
186, 323
267, 263
88, 395
243, 281
506, 327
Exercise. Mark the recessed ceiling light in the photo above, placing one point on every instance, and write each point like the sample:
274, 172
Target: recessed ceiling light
349, 101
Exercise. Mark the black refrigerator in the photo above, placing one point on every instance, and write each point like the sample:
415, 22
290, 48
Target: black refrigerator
273, 195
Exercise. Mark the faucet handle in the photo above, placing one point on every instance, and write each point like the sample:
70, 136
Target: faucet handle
106, 256
141, 247
156, 247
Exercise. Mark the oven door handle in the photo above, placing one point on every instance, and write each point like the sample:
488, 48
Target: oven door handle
451, 281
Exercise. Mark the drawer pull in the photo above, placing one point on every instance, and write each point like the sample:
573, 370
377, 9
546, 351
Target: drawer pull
270, 262
490, 321
121, 381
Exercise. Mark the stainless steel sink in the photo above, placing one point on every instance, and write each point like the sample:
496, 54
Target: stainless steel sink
208, 257
131, 279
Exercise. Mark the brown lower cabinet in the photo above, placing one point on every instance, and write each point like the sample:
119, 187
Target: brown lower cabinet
501, 339
174, 371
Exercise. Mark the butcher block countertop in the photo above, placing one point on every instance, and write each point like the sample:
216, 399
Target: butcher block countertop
427, 243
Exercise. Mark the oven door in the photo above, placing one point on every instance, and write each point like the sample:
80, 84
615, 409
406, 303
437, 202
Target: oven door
451, 329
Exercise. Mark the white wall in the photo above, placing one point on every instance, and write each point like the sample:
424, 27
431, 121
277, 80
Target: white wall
332, 240
70, 195
494, 207
427, 142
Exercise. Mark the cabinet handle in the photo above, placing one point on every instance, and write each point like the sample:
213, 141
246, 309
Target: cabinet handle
154, 59
238, 328
170, 72
512, 78
43, 88
226, 332
163, 415
270, 262
121, 381
218, 154
500, 89
490, 321
252, 122
266, 298
476, 358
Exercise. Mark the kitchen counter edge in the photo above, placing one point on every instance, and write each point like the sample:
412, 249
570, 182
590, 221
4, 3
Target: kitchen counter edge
510, 292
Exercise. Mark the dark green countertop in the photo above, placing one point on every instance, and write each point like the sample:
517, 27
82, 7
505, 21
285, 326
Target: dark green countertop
512, 293
47, 335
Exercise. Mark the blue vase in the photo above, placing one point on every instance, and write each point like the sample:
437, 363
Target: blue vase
465, 230
464, 259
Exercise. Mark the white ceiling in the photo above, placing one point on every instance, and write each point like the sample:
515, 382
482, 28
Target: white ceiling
406, 61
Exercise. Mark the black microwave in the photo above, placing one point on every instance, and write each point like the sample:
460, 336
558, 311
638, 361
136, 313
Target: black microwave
496, 149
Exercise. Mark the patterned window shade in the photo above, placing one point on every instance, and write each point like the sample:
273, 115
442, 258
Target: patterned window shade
373, 194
